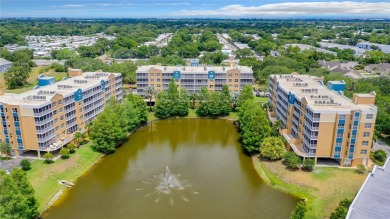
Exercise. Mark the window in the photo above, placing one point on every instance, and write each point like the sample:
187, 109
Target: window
62, 118
367, 125
158, 74
235, 80
80, 110
152, 80
81, 117
151, 74
338, 144
342, 117
211, 86
62, 125
53, 104
158, 85
236, 85
230, 80
363, 152
55, 120
59, 102
366, 134
339, 135
340, 126
369, 116
57, 128
61, 109
365, 143
158, 80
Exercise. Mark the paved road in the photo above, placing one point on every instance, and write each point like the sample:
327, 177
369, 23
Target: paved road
10, 164
381, 145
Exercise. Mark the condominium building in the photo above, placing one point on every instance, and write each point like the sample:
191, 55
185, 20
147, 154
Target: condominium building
194, 77
319, 122
46, 118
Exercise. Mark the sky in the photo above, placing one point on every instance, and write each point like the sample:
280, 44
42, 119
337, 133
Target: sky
195, 9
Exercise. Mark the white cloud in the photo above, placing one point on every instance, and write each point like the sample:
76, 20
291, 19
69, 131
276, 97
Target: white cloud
69, 6
295, 8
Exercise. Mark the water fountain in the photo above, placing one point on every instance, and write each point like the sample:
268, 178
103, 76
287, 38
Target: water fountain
168, 184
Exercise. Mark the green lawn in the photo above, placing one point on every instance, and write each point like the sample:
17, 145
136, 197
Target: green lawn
261, 99
322, 189
44, 177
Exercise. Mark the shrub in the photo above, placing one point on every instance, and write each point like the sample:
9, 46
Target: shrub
308, 164
292, 160
342, 210
71, 147
272, 148
25, 164
379, 155
360, 169
299, 211
48, 157
64, 153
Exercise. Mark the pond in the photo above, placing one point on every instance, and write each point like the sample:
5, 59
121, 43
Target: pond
176, 168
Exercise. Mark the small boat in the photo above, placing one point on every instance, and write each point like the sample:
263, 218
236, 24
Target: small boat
66, 183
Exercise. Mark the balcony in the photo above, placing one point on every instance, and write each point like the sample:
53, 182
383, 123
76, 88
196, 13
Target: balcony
314, 137
307, 143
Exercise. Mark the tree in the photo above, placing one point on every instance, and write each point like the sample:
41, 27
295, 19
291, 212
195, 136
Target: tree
150, 93
308, 164
71, 147
25, 164
272, 148
379, 155
243, 53
234, 99
299, 211
342, 210
245, 94
225, 100
5, 148
182, 106
360, 169
193, 97
17, 196
17, 76
139, 104
292, 160
78, 138
212, 58
162, 107
64, 153
48, 157
108, 129
63, 54
254, 126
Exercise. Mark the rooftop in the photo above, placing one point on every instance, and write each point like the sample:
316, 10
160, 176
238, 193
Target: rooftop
373, 199
317, 95
42, 95
189, 69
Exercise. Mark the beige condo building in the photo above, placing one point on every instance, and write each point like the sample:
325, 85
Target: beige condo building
320, 122
46, 118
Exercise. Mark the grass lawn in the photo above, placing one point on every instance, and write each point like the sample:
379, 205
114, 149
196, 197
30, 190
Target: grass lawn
261, 99
31, 81
44, 177
323, 188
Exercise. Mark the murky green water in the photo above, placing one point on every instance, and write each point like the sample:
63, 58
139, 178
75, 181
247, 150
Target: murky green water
209, 178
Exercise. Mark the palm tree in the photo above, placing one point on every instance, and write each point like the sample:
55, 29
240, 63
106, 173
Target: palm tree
88, 127
234, 99
278, 124
193, 98
77, 137
150, 93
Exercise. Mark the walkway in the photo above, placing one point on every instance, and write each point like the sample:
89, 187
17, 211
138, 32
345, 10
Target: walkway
381, 145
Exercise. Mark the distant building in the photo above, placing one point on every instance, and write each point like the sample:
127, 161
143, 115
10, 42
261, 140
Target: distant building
4, 65
193, 77
373, 198
327, 45
274, 53
383, 68
384, 48
319, 122
45, 119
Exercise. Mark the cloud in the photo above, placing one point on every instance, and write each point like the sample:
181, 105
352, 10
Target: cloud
69, 6
295, 8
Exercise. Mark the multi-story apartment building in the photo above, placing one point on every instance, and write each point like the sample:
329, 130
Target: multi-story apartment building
194, 77
46, 118
319, 122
